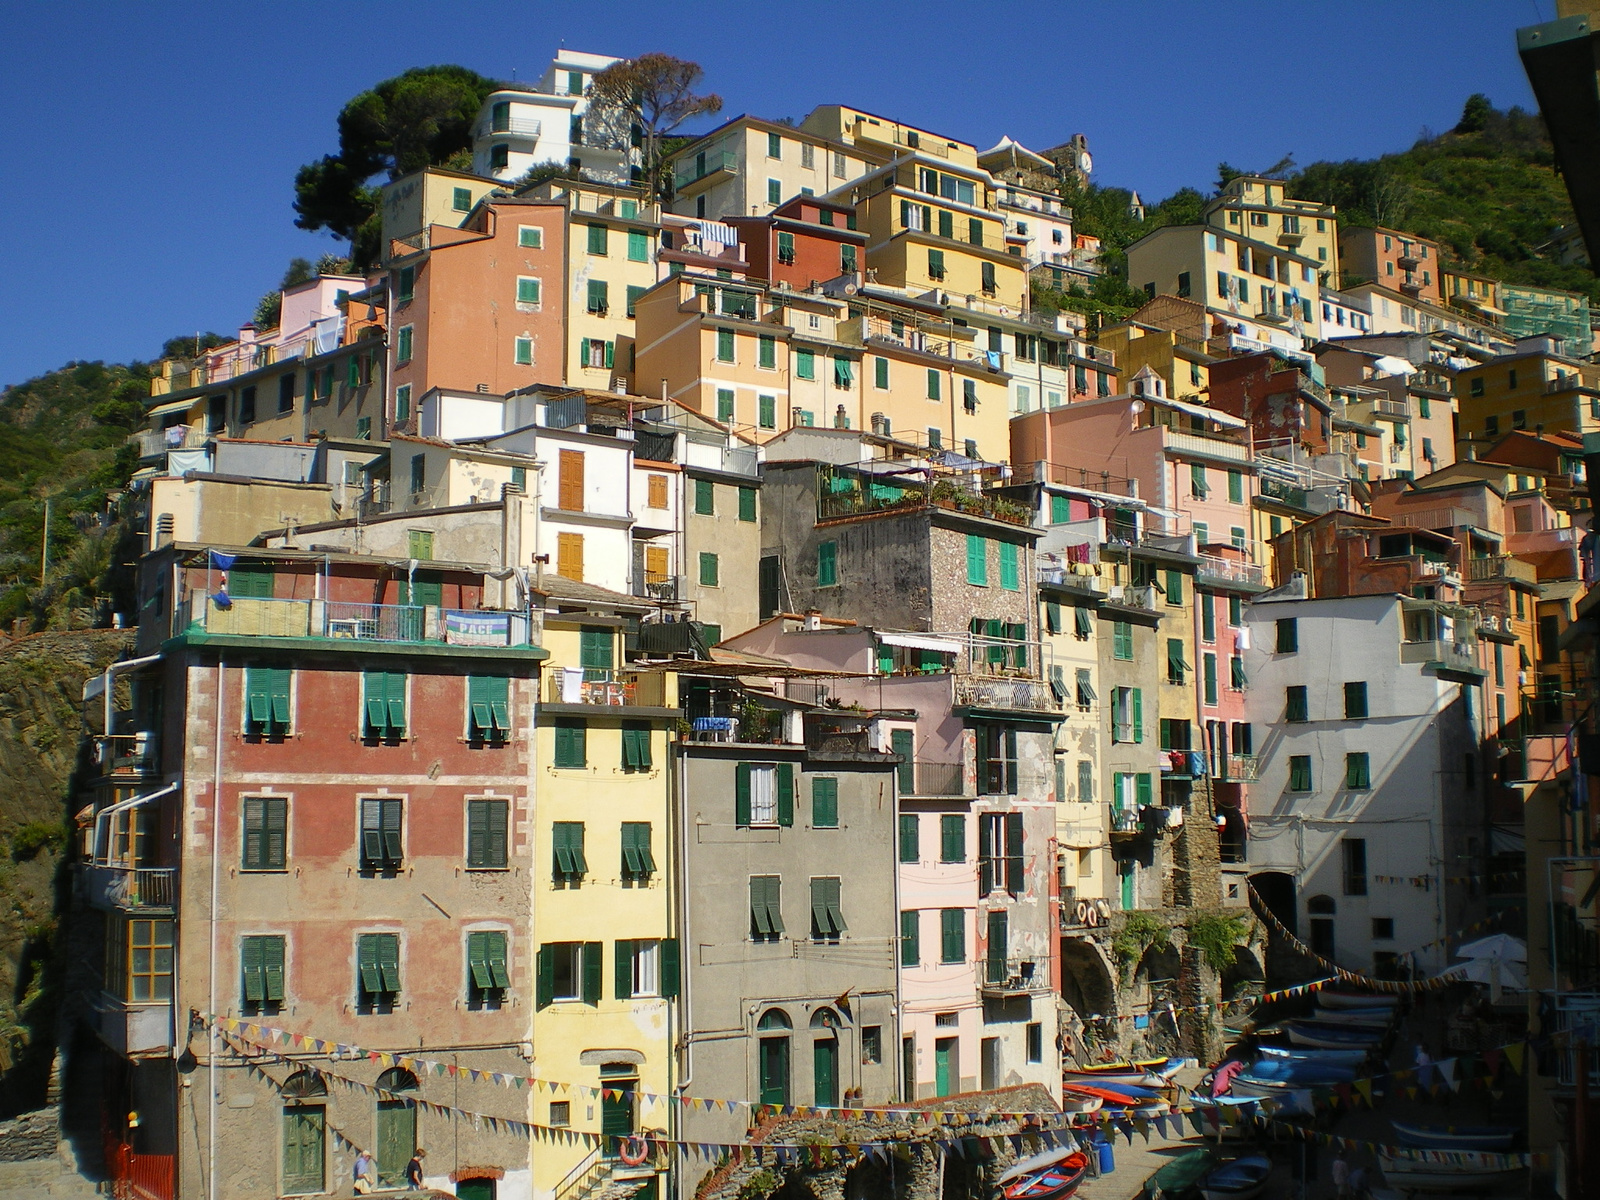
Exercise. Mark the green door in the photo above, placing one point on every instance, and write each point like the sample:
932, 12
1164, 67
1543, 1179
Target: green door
303, 1148
475, 1189
1125, 870
775, 1070
946, 1067
397, 1140
903, 743
825, 1071
424, 589
616, 1111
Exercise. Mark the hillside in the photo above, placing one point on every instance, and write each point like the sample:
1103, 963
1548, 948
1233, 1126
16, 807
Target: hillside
1487, 191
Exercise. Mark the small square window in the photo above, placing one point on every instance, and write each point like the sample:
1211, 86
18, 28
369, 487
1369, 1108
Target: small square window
530, 237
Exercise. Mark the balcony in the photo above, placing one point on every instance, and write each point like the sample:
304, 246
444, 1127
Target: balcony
144, 889
1272, 314
1194, 445
1006, 978
1501, 567
1408, 259
509, 126
715, 166
1444, 656
606, 689
153, 443
126, 755
659, 587
1125, 822
340, 622
1002, 692
1221, 572
1285, 493
1392, 408
1241, 768
1147, 597
934, 778
134, 1028
1078, 577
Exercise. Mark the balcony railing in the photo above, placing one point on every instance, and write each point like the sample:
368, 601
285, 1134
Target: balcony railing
1125, 821
130, 754
1189, 443
1229, 570
700, 167
107, 886
341, 621
1391, 408
606, 689
1457, 655
509, 126
1245, 768
1082, 577
1501, 566
1028, 695
153, 443
934, 778
1013, 976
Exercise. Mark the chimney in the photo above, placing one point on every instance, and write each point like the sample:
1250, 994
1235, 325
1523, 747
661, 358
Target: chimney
813, 620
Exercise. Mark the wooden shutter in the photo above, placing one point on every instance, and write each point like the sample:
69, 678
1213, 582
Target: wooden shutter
373, 688
1014, 856
250, 956
623, 975
656, 491
671, 968
391, 829
1083, 622
903, 743
820, 920
278, 693
371, 832
569, 556
741, 795
977, 559
571, 480
986, 850
1143, 790
1052, 616
258, 698
774, 894
477, 833
478, 961
1138, 714
910, 839
953, 935
495, 947
910, 950
367, 963
478, 707
255, 833
272, 967
785, 775
544, 988
824, 803
395, 702
592, 970
952, 838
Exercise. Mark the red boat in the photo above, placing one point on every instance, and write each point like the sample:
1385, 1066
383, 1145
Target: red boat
1053, 1175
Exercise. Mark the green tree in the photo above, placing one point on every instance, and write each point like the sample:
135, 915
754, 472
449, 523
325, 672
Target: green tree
420, 118
1476, 114
656, 93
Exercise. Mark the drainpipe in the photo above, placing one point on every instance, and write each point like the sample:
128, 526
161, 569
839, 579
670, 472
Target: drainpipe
211, 1001
679, 903
109, 681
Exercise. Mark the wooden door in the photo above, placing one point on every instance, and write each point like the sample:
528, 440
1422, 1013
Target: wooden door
775, 1070
946, 1066
571, 481
397, 1140
825, 1072
303, 1152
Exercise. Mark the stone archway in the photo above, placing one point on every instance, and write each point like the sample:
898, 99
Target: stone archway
1245, 975
1089, 990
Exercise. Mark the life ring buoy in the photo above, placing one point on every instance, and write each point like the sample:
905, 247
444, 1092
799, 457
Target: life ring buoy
633, 1150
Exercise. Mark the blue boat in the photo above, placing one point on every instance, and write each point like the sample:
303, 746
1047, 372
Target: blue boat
1321, 1035
1241, 1179
1455, 1137
1343, 1058
1274, 1076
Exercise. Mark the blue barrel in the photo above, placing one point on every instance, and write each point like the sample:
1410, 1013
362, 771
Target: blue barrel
1107, 1160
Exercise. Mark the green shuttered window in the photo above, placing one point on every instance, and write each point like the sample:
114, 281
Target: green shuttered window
486, 967
487, 823
910, 938
824, 803
378, 967
381, 843
261, 964
489, 708
910, 838
383, 695
638, 860
569, 865
827, 921
266, 712
952, 935
636, 746
766, 907
571, 749
266, 828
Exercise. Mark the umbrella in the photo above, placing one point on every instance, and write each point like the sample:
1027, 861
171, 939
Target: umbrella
1497, 945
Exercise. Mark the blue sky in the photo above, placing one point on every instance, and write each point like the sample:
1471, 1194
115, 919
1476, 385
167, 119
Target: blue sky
150, 149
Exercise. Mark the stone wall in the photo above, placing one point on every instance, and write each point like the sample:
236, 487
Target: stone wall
31, 1136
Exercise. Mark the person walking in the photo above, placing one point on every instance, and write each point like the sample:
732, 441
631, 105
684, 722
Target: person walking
1341, 1177
414, 1170
1358, 1182
366, 1175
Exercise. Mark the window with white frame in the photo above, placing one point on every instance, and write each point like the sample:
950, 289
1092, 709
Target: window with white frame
764, 795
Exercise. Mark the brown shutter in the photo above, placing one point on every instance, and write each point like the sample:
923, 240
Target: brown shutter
655, 564
658, 491
569, 556
572, 481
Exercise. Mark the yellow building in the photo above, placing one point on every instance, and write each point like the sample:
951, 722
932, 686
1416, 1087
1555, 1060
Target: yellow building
608, 966
1477, 294
1263, 211
1531, 389
433, 196
1182, 362
749, 166
884, 138
611, 261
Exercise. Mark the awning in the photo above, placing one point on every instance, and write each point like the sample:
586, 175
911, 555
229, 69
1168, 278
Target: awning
1391, 364
917, 641
172, 406
1226, 420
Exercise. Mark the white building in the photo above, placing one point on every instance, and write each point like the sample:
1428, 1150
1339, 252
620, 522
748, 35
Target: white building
1366, 712
1345, 316
518, 129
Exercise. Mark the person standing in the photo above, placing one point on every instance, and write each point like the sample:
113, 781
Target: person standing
414, 1170
1358, 1182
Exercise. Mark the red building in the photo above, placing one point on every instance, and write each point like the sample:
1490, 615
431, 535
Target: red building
322, 837
806, 241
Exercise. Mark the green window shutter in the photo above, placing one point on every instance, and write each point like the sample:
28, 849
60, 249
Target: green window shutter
630, 756
1175, 660
977, 560
832, 898
1009, 578
1295, 707
403, 346
633, 300
953, 935
1143, 790
819, 908
250, 961
708, 570
910, 929
258, 698
671, 968
785, 793
775, 903
825, 803
805, 364
880, 373
1083, 622
843, 372
766, 351
392, 815
1209, 664
747, 500
477, 833
389, 960
1357, 770
1122, 640
1060, 510
571, 744
632, 868
760, 921
367, 963
1288, 636
975, 231
725, 345
986, 852
527, 291
704, 497
1052, 616
910, 839
278, 695
947, 223
1208, 617
1355, 699
1299, 773
767, 411
1174, 587
624, 969
952, 838
495, 947
478, 707
599, 295
1138, 714
592, 954
272, 956
827, 564
1236, 487
904, 743
597, 239
638, 245
596, 646
478, 961
741, 795
544, 988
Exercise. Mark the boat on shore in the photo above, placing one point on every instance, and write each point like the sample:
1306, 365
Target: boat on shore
1466, 1171
1241, 1179
1329, 998
1343, 1058
1455, 1137
1053, 1175
1321, 1035
1133, 1076
1375, 1018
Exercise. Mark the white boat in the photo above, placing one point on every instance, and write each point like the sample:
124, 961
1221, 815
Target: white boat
1343, 1058
1373, 1018
1456, 1171
1081, 1104
1333, 1037
1136, 1077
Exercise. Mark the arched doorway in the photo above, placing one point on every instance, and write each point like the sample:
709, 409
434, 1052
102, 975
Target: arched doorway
1275, 891
1244, 976
825, 1025
396, 1131
772, 1033
1090, 991
305, 1096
